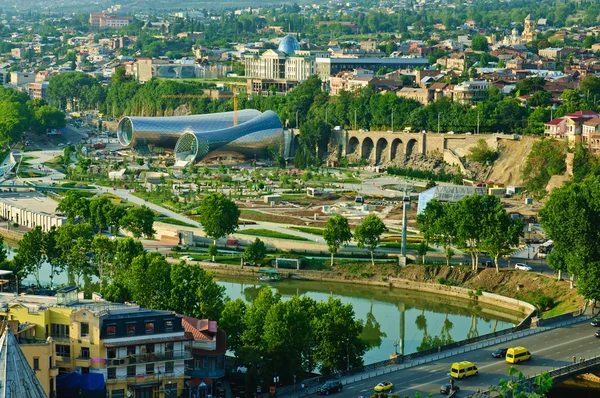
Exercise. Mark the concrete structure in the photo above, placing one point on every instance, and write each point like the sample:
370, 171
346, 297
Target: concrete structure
529, 34
103, 20
447, 193
17, 378
37, 90
30, 209
350, 80
422, 95
326, 67
381, 147
19, 79
145, 69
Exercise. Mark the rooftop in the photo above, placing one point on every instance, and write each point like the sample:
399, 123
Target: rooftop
30, 201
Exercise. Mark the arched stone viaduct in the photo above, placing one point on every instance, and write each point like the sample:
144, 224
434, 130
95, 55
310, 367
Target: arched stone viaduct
379, 147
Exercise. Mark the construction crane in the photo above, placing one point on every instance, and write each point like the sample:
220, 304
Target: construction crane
190, 96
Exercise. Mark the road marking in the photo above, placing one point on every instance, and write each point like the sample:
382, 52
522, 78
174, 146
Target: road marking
351, 387
366, 389
487, 366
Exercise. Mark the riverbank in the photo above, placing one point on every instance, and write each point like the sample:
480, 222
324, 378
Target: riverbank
513, 291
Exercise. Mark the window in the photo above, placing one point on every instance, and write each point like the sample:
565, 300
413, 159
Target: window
112, 373
59, 331
168, 326
111, 353
85, 352
63, 350
131, 371
36, 364
84, 330
111, 330
130, 329
149, 368
150, 348
169, 367
117, 394
149, 327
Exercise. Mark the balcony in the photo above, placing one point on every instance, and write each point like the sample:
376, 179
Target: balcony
205, 373
53, 371
149, 358
63, 361
82, 361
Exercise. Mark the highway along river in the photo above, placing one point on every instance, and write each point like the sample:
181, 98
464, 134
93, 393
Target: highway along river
394, 318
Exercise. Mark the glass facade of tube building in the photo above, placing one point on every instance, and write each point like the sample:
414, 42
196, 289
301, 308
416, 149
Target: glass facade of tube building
197, 136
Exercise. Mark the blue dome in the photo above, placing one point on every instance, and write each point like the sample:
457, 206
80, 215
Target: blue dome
288, 45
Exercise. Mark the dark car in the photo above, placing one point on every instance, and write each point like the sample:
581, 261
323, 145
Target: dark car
329, 387
597, 334
595, 322
499, 353
448, 388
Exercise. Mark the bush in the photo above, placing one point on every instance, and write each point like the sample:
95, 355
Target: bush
423, 174
482, 152
544, 302
447, 282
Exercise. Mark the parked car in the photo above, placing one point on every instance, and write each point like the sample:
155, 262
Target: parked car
595, 322
523, 267
384, 386
448, 388
329, 387
499, 353
186, 258
597, 334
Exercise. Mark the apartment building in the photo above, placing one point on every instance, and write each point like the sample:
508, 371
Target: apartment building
37, 90
103, 20
350, 80
590, 135
471, 91
422, 95
137, 352
571, 126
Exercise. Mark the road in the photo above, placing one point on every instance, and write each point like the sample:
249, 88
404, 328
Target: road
550, 349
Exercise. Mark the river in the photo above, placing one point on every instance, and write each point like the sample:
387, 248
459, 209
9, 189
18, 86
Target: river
381, 309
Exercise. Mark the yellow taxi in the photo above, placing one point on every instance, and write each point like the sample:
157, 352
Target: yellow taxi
384, 386
517, 354
460, 370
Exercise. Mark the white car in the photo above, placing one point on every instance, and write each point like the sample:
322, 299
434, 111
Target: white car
523, 267
186, 258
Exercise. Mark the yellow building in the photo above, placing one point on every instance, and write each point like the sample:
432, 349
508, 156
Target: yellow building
139, 352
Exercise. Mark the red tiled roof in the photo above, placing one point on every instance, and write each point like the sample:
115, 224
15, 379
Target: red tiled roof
581, 113
555, 122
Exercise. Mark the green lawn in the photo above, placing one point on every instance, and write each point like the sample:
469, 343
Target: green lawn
173, 221
269, 234
308, 230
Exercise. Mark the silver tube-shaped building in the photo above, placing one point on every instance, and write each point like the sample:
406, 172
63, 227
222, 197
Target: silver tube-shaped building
194, 137
249, 139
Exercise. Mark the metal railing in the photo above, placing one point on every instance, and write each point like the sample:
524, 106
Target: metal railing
422, 357
148, 357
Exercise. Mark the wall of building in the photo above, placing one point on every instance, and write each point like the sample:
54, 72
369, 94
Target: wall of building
46, 370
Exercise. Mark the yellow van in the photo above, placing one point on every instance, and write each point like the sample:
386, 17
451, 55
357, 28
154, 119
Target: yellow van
463, 369
517, 354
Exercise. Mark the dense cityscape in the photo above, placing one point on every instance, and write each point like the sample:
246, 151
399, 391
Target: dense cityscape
365, 198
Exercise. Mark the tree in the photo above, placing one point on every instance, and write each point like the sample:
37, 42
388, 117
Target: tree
104, 250
479, 43
482, 152
74, 241
149, 281
195, 293
74, 205
547, 158
49, 117
471, 214
336, 233
590, 86
519, 387
232, 322
31, 253
422, 250
583, 162
256, 251
99, 209
338, 345
368, 233
125, 251
139, 221
52, 253
114, 216
218, 215
571, 218
501, 232
213, 251
437, 224
588, 42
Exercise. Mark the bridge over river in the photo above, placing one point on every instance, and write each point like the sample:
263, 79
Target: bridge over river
552, 347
